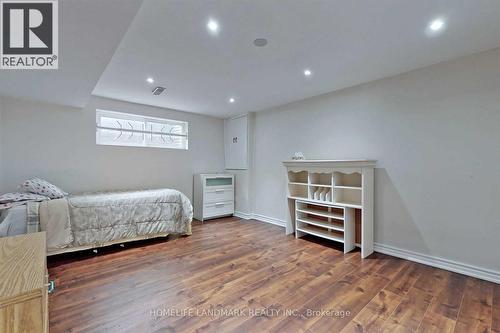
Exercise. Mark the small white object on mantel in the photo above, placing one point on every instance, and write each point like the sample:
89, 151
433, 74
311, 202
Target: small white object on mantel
298, 156
351, 184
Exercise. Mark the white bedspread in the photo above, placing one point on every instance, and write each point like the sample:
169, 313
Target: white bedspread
54, 219
13, 221
99, 218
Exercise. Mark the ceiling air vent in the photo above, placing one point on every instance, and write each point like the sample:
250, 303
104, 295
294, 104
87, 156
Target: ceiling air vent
260, 42
158, 90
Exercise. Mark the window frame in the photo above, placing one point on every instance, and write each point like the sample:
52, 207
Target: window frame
100, 113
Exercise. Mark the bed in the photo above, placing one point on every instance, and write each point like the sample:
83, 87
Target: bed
93, 220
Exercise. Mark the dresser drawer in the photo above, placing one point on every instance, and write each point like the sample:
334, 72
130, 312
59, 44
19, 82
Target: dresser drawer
214, 182
218, 195
218, 208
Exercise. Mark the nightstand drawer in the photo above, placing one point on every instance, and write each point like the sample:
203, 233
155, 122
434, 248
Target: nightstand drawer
218, 209
219, 195
218, 181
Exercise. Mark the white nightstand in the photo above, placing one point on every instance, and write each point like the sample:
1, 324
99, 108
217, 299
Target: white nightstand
213, 195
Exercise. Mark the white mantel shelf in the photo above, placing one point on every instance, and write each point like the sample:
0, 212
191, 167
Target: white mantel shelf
346, 186
332, 163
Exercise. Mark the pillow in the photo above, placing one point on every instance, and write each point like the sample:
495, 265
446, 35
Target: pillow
16, 197
43, 187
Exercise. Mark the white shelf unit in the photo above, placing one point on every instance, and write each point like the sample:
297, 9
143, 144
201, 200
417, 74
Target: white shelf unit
323, 220
350, 187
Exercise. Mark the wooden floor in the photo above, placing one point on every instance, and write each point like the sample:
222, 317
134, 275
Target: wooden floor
247, 276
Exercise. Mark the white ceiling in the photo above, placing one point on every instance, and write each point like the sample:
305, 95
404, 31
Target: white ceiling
343, 42
89, 33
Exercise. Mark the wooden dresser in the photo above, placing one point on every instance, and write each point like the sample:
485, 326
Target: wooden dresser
23, 284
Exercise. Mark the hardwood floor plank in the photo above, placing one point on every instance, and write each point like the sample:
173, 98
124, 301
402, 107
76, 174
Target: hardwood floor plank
372, 317
432, 280
318, 302
217, 293
391, 267
447, 289
409, 313
373, 264
495, 318
252, 266
225, 298
476, 310
294, 300
449, 298
353, 302
405, 278
436, 323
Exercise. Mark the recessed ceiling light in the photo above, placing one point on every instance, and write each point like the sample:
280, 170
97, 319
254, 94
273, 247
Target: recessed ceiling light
213, 26
437, 25
232, 100
307, 72
150, 80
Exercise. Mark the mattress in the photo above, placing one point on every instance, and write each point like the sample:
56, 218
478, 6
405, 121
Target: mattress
13, 221
104, 217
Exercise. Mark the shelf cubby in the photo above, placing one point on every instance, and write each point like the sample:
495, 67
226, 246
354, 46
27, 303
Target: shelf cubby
298, 190
320, 179
298, 177
321, 232
333, 225
314, 188
321, 210
347, 180
349, 197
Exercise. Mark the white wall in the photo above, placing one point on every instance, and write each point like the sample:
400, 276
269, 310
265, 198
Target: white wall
436, 135
58, 143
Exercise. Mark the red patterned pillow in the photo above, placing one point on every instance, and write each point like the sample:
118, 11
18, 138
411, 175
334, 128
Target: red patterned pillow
43, 187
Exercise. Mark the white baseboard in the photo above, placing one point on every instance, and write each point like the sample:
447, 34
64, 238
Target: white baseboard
450, 265
241, 215
262, 218
268, 219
